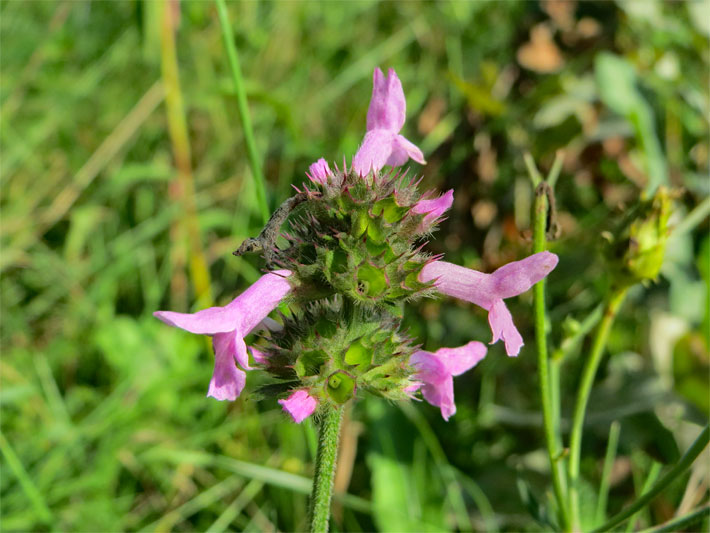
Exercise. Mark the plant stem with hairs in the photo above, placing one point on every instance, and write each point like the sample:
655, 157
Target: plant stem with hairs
326, 459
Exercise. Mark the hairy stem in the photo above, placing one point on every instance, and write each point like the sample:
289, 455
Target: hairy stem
326, 458
680, 467
585, 387
548, 396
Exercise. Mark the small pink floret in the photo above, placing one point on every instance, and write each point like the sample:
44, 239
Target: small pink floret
436, 371
489, 290
319, 171
433, 209
229, 325
300, 405
383, 145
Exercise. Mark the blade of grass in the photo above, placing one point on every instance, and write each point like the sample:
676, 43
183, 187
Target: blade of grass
203, 499
271, 476
679, 524
233, 509
259, 182
609, 459
116, 140
453, 488
650, 479
29, 488
680, 467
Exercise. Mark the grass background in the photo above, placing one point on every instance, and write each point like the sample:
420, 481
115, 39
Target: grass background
105, 426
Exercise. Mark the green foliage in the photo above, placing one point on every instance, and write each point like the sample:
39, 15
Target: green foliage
105, 424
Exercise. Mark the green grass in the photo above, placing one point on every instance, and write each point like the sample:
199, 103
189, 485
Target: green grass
105, 424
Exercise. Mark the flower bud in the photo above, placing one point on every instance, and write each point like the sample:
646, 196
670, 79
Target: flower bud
636, 253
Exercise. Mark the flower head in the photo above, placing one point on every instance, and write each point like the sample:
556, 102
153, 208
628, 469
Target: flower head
229, 325
383, 145
489, 290
354, 250
436, 371
300, 405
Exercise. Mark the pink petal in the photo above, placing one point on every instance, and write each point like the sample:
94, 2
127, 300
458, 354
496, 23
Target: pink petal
517, 277
206, 322
502, 326
300, 405
387, 106
436, 371
262, 297
459, 360
374, 152
227, 380
460, 282
319, 171
438, 384
430, 369
243, 313
433, 209
441, 395
402, 151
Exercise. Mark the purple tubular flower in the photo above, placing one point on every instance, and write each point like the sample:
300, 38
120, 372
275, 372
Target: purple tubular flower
383, 145
433, 209
319, 171
436, 371
489, 290
300, 405
229, 325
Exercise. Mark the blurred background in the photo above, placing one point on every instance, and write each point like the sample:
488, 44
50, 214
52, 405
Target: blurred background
110, 212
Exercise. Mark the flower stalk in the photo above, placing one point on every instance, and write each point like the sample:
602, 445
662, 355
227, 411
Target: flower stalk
326, 458
585, 388
549, 378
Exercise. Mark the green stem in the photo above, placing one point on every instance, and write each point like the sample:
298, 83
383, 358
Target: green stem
241, 93
326, 458
550, 413
681, 466
589, 372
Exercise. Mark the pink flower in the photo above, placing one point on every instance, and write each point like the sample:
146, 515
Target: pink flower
436, 371
319, 171
489, 290
300, 405
229, 325
382, 144
433, 209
